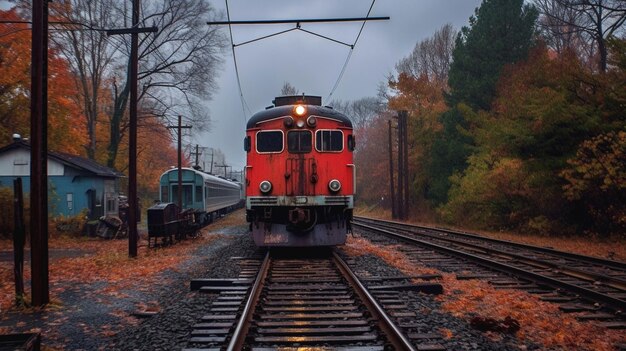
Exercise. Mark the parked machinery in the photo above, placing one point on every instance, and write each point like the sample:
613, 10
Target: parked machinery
300, 177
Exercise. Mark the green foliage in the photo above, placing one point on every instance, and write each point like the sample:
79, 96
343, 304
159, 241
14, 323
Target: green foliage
448, 155
500, 33
545, 108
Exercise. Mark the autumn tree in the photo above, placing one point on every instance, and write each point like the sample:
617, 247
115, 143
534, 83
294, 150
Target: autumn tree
560, 28
431, 57
424, 101
177, 66
372, 161
361, 111
90, 52
594, 20
65, 121
596, 177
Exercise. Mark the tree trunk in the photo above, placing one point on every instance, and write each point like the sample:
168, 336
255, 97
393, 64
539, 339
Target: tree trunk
603, 54
121, 101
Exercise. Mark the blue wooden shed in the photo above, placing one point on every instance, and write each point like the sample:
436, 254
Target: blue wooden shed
74, 183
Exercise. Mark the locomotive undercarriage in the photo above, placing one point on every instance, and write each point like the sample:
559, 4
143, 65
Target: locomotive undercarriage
299, 226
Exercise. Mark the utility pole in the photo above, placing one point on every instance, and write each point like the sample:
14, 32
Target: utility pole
212, 153
39, 155
401, 174
223, 166
405, 138
392, 189
179, 128
197, 156
132, 137
403, 166
132, 123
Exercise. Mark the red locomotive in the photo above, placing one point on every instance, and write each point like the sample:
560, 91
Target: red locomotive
300, 177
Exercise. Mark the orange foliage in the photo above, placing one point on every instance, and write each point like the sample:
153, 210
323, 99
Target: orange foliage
155, 153
540, 321
65, 121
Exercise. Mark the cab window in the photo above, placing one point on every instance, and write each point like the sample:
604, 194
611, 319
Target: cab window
329, 140
269, 141
299, 141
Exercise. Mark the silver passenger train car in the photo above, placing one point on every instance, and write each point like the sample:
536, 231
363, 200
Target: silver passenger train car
208, 195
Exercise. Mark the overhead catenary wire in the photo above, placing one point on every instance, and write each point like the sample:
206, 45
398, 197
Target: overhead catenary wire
244, 105
345, 64
298, 22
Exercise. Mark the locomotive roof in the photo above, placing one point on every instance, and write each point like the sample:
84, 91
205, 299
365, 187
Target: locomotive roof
286, 110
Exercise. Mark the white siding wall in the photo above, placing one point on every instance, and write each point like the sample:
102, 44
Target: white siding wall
17, 163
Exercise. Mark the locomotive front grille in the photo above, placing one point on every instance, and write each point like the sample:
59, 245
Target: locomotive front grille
337, 200
265, 200
259, 201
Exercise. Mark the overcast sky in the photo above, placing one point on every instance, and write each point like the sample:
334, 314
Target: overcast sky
310, 63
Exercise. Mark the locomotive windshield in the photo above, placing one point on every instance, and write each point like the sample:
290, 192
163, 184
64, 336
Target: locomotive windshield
329, 140
299, 141
269, 141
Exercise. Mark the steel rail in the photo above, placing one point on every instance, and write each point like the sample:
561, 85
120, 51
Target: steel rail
237, 341
607, 280
394, 335
611, 302
578, 257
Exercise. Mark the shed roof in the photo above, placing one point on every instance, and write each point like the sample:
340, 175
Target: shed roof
74, 161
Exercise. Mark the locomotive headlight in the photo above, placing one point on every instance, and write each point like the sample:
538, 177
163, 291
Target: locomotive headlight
311, 121
300, 123
299, 110
265, 186
334, 185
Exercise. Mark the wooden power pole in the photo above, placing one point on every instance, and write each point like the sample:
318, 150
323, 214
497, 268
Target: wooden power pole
405, 144
180, 128
39, 155
392, 188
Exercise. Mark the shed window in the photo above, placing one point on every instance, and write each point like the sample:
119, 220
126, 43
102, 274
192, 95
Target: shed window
299, 141
329, 140
110, 202
270, 141
70, 201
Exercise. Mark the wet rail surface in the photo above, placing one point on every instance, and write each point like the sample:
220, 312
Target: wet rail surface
589, 285
314, 302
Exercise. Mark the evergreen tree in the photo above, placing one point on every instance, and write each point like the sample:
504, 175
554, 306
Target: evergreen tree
500, 33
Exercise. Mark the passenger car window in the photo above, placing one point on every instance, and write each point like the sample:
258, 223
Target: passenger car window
269, 141
329, 140
299, 141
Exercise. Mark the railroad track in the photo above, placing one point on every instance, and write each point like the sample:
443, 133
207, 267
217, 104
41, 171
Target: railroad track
297, 302
578, 283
